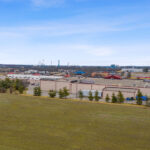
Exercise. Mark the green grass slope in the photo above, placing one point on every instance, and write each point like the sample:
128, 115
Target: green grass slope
32, 123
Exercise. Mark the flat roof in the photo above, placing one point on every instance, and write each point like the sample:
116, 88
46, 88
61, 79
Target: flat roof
117, 89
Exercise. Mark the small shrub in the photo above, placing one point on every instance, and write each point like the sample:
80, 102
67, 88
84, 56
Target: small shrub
81, 95
120, 97
139, 97
37, 91
90, 97
96, 97
65, 92
3, 90
114, 98
107, 98
61, 93
21, 89
52, 93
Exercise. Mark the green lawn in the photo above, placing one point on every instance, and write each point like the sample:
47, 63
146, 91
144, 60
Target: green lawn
30, 123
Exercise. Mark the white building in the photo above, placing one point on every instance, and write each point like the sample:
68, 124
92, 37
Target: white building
33, 77
31, 71
131, 70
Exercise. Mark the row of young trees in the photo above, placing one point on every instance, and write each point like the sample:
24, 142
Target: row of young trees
64, 93
116, 99
11, 86
120, 98
91, 97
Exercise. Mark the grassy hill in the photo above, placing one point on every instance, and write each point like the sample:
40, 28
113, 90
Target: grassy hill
31, 123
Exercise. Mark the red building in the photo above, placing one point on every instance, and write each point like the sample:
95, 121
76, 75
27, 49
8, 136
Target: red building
113, 77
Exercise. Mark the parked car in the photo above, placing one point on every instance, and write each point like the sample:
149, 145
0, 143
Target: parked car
73, 81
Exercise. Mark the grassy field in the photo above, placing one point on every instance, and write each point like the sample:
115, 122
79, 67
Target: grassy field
30, 123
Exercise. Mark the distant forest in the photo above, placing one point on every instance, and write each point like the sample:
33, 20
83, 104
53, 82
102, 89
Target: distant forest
87, 69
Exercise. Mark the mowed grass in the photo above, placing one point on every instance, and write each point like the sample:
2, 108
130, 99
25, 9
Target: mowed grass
32, 123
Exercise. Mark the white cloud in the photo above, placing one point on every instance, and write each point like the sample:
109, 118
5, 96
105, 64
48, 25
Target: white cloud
58, 28
19, 44
66, 52
79, 54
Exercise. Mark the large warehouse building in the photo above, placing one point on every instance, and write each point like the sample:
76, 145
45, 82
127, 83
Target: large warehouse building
74, 88
127, 92
104, 89
33, 77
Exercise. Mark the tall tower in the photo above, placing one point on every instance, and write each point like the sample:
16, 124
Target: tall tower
58, 63
68, 64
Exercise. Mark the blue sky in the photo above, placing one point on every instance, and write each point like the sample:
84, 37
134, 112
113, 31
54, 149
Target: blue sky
78, 32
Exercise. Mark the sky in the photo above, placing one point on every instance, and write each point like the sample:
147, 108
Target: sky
76, 32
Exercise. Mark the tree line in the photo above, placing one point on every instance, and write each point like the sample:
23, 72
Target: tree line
119, 98
11, 86
20, 86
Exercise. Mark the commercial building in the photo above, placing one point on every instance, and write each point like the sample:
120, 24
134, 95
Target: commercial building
131, 70
127, 92
33, 77
74, 88
104, 89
